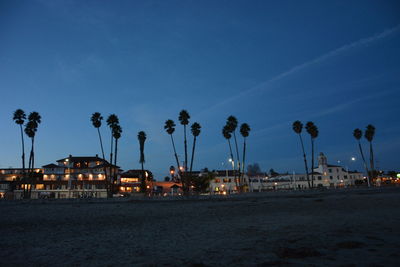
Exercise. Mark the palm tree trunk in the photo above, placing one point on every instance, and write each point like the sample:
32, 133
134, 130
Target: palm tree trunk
365, 163
115, 163
27, 177
238, 160
104, 159
244, 157
176, 156
101, 143
111, 169
31, 168
23, 150
372, 164
233, 162
305, 161
194, 147
143, 182
185, 142
312, 162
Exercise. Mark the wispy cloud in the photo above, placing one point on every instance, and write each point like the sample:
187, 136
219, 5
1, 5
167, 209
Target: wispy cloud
330, 110
336, 52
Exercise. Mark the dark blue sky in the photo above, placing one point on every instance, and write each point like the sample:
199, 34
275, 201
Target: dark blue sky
336, 63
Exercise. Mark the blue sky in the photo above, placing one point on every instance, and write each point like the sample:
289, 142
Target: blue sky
269, 63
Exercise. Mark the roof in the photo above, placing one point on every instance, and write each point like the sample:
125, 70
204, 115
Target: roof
135, 173
78, 159
52, 165
104, 165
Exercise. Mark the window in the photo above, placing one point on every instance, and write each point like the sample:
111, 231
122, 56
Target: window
39, 186
217, 180
345, 177
330, 170
225, 180
331, 177
319, 178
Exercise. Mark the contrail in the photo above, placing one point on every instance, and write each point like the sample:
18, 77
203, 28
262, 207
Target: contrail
333, 53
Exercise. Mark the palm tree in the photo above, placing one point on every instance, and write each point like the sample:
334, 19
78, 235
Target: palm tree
232, 124
369, 135
297, 128
312, 130
142, 138
117, 130
196, 129
19, 118
96, 121
357, 135
170, 129
34, 119
184, 120
244, 131
112, 121
227, 135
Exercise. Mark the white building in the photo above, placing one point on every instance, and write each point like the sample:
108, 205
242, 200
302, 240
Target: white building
225, 182
325, 175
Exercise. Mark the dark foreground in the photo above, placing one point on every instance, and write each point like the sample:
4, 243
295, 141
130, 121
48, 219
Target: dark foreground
353, 228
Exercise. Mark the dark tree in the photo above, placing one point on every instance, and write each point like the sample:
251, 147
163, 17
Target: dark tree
297, 128
357, 133
19, 118
142, 139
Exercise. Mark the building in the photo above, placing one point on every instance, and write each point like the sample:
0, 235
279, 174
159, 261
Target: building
130, 181
10, 177
71, 177
325, 175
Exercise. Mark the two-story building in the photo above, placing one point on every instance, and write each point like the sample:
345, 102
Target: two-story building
73, 177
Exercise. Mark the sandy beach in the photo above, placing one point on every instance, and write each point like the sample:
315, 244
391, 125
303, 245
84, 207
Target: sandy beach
357, 227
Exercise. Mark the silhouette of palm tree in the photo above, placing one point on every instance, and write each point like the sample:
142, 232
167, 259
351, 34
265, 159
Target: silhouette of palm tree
297, 127
96, 121
112, 122
142, 139
184, 120
357, 133
196, 129
369, 135
227, 135
232, 124
244, 131
19, 118
34, 119
312, 130
170, 129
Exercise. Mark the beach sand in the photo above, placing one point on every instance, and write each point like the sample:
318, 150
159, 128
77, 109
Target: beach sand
358, 227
